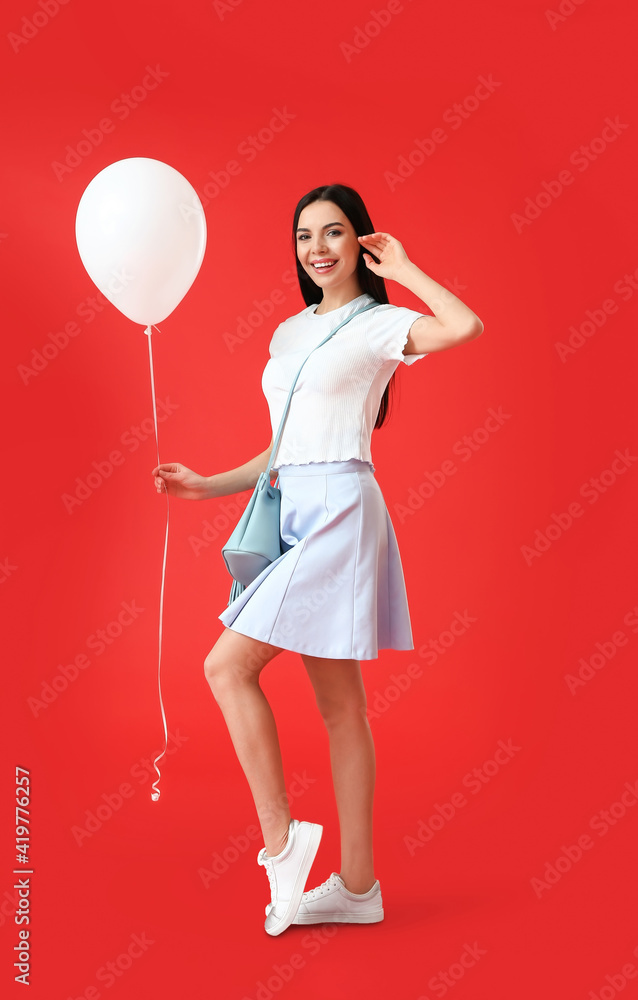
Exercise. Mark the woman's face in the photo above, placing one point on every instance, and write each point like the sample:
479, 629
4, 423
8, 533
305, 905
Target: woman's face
324, 233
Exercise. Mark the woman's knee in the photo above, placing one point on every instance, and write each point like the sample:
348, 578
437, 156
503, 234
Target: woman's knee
337, 712
339, 689
216, 667
225, 672
235, 660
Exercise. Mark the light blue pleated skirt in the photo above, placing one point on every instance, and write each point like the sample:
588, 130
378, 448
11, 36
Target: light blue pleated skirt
339, 591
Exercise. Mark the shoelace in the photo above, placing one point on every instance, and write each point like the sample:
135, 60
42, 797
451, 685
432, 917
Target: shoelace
324, 887
270, 871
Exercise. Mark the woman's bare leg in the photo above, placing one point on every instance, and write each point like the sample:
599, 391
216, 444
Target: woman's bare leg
341, 699
232, 670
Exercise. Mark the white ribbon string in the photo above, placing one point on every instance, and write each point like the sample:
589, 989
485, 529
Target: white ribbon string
155, 793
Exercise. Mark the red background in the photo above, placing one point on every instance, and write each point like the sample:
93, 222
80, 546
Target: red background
66, 574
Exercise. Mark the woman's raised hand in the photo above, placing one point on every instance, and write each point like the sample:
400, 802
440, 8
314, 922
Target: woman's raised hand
178, 481
392, 256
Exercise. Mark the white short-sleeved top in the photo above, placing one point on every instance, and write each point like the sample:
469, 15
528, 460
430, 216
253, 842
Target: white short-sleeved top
336, 399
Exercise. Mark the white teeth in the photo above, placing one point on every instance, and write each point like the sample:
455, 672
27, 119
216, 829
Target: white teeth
331, 264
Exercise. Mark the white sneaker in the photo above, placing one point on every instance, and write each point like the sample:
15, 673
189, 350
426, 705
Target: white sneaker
331, 902
287, 873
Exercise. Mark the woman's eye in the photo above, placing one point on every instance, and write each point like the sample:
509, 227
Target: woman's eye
337, 232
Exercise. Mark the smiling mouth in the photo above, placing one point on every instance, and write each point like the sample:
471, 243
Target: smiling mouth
324, 267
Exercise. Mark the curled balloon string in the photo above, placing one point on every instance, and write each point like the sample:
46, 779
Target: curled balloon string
155, 793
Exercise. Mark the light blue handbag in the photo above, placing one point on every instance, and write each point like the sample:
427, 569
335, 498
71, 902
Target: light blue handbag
256, 540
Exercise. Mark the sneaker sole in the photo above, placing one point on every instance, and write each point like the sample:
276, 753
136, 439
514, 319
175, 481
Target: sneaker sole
304, 870
339, 918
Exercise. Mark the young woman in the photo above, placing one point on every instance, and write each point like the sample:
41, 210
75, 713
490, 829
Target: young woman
337, 594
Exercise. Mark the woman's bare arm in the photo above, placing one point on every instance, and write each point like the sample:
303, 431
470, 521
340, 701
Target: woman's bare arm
244, 477
180, 481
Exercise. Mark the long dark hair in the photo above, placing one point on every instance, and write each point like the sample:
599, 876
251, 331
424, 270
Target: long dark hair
352, 206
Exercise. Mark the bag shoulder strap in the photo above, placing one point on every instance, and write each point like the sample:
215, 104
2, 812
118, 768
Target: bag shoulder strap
273, 452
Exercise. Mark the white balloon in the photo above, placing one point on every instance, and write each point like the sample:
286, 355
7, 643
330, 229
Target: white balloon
141, 234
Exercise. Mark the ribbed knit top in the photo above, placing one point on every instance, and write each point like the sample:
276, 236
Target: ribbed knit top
336, 399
